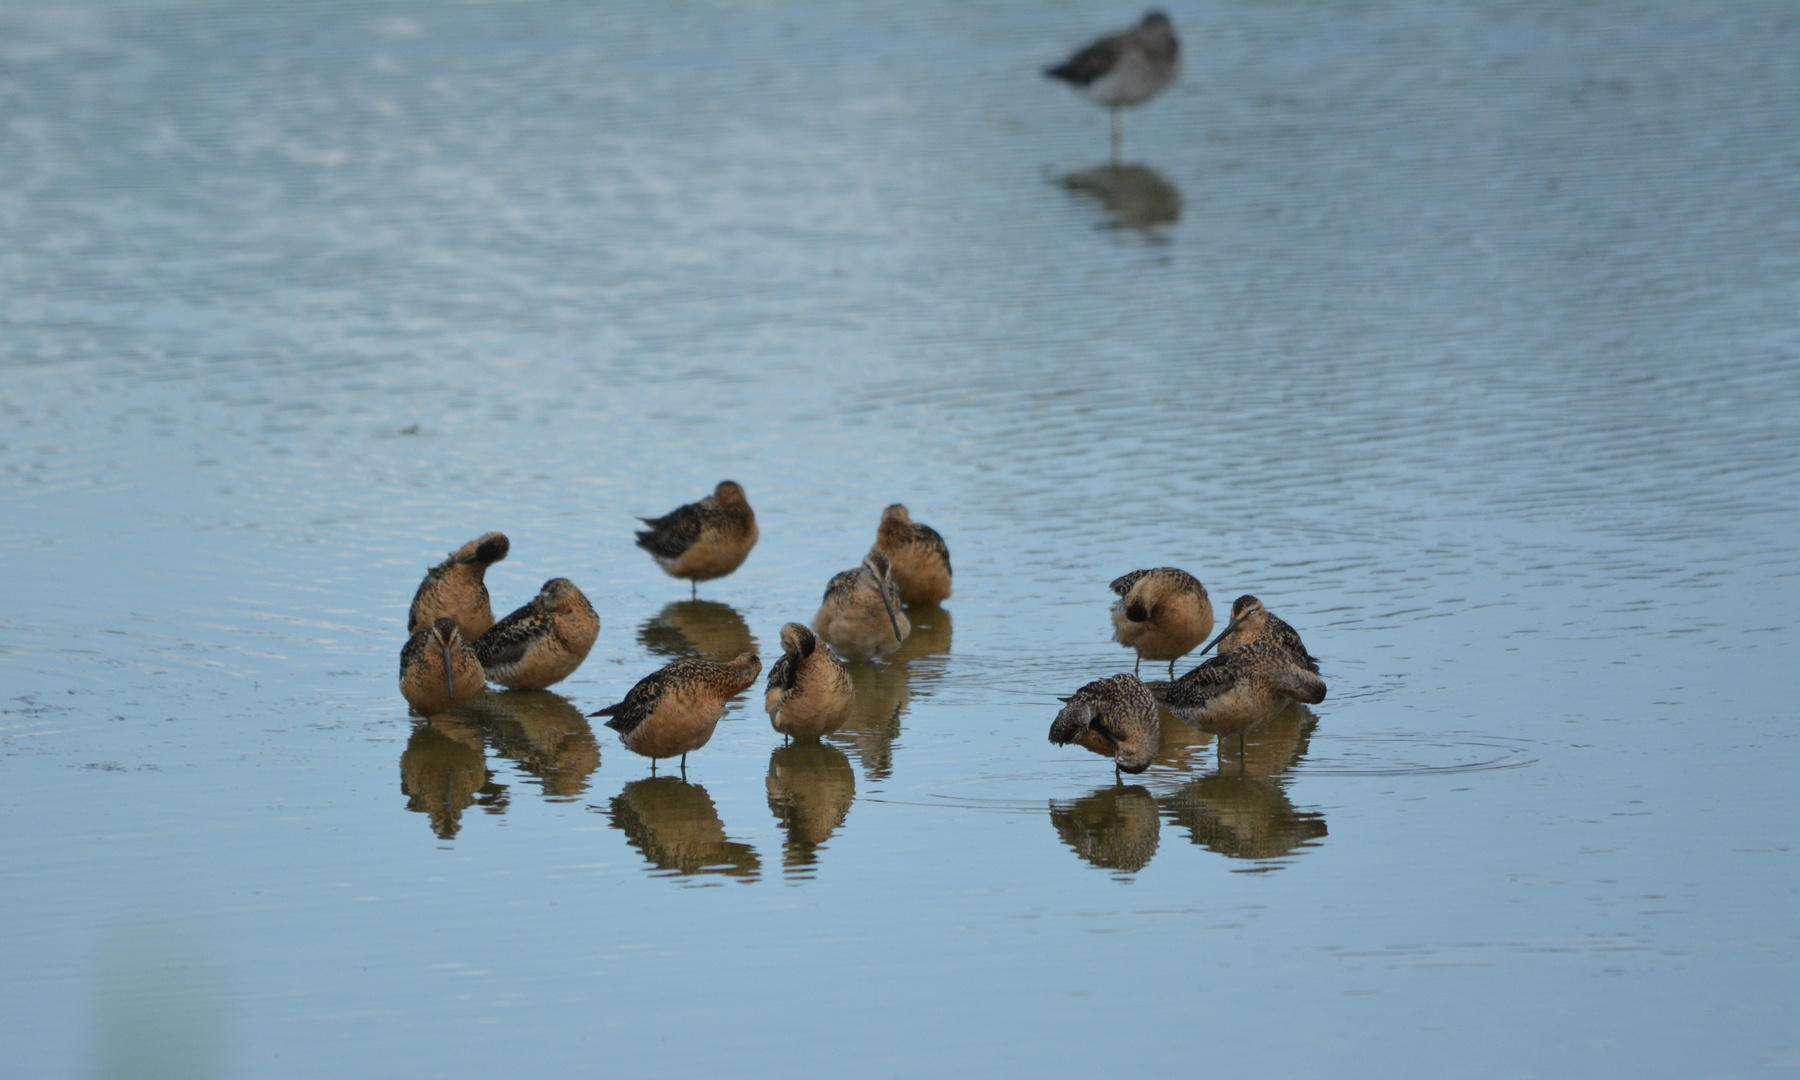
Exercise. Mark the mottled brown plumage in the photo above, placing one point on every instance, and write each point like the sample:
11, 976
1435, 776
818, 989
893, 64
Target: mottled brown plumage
1164, 614
860, 617
1250, 621
920, 561
1238, 690
543, 642
809, 692
673, 711
457, 588
703, 540
1113, 717
438, 669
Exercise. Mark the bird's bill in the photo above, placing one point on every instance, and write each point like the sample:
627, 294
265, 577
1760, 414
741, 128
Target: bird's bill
894, 622
450, 672
1221, 637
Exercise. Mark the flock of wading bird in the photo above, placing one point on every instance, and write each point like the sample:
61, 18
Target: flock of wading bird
457, 647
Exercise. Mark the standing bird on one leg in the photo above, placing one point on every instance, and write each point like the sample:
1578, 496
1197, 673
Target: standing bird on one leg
1250, 621
920, 561
543, 642
1239, 690
703, 540
673, 712
438, 669
859, 617
1114, 718
1124, 69
810, 694
457, 587
1164, 614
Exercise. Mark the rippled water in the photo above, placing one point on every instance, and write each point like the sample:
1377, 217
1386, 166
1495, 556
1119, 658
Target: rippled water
1464, 336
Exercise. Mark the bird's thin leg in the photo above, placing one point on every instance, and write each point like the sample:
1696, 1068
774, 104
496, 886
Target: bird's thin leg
693, 590
1115, 136
1171, 669
652, 766
684, 766
1139, 663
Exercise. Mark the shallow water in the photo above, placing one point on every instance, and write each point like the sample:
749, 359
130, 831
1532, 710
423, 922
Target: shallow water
1464, 336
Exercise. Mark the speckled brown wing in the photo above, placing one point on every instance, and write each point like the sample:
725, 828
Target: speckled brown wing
1200, 685
509, 640
928, 538
674, 532
1122, 585
1288, 638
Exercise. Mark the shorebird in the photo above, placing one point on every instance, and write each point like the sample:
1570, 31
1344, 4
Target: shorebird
455, 587
921, 562
673, 711
1114, 718
1124, 69
859, 611
438, 669
1162, 613
543, 642
809, 693
1250, 621
1241, 689
703, 540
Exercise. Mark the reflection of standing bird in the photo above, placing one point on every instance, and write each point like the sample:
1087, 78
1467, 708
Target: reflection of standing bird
920, 561
811, 787
1250, 621
1126, 68
676, 826
1238, 690
703, 540
809, 693
438, 669
442, 772
456, 587
859, 611
1115, 828
674, 711
543, 642
1115, 718
1162, 613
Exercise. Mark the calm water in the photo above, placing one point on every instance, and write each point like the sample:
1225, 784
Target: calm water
1465, 336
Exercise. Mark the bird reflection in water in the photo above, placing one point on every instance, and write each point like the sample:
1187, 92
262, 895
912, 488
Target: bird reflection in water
443, 773
1242, 810
884, 689
1134, 196
544, 734
703, 628
811, 786
677, 828
1115, 828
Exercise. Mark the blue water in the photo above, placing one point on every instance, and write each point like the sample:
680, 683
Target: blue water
1463, 335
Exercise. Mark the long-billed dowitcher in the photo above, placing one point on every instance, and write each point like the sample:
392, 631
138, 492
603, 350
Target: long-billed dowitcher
920, 561
1250, 621
809, 693
703, 540
455, 587
1163, 614
1126, 68
543, 642
1238, 690
860, 616
673, 711
1114, 718
438, 669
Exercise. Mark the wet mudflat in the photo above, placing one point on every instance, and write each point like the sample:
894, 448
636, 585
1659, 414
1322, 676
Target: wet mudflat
1463, 336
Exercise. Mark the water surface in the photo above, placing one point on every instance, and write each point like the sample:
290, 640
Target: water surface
1463, 335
